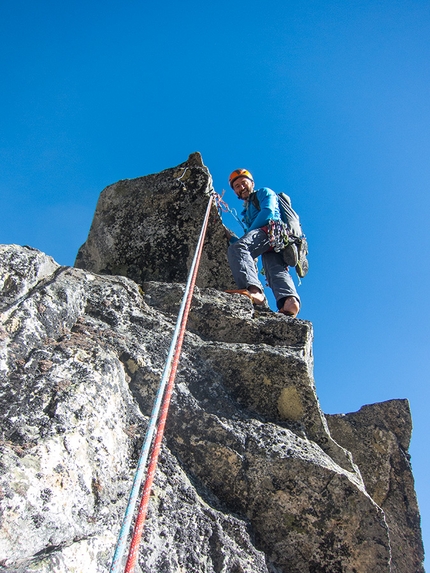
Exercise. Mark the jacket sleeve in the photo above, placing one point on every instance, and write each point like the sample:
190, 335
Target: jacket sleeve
268, 209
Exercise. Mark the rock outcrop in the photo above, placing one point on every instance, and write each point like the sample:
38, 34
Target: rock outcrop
251, 478
378, 437
147, 228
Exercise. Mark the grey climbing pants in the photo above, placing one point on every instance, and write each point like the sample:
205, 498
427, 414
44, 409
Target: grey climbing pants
241, 255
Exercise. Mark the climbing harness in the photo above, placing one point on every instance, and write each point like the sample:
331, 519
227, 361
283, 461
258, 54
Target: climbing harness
159, 413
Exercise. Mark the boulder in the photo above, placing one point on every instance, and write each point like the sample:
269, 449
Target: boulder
147, 229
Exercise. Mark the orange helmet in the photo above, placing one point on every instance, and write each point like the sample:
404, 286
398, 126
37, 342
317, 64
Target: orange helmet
239, 173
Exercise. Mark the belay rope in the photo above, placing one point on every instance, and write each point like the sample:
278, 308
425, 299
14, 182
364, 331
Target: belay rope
162, 403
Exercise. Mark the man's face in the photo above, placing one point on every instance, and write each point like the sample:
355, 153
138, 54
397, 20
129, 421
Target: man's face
243, 187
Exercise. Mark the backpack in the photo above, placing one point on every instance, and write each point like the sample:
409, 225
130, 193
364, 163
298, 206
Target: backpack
294, 254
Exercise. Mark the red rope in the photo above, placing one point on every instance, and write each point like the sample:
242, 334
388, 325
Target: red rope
143, 507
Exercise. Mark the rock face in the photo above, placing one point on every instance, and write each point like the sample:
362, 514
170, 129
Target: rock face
147, 229
378, 437
250, 480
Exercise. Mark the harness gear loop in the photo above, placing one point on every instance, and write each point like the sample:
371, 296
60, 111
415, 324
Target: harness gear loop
162, 401
278, 235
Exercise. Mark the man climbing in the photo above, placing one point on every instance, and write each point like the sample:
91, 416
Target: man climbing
242, 252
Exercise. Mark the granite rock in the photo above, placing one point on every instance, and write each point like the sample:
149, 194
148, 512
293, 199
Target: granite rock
253, 477
378, 436
147, 229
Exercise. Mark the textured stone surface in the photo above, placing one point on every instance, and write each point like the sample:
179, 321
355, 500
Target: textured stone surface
70, 427
378, 437
147, 229
241, 486
250, 480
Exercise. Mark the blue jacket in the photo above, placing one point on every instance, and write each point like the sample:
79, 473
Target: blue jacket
269, 211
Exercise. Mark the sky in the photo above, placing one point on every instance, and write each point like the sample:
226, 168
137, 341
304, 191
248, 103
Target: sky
328, 101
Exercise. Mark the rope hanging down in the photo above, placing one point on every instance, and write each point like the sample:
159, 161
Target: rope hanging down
165, 390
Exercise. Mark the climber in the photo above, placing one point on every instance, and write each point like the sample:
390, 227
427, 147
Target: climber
242, 252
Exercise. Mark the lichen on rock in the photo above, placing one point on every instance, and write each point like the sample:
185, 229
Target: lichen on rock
253, 477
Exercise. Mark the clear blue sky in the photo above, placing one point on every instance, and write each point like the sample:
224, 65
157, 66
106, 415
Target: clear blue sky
326, 100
